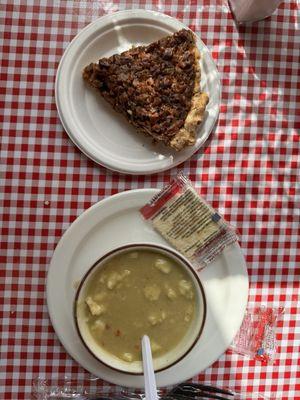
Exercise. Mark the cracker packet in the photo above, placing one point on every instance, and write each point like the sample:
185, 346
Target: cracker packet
256, 337
188, 222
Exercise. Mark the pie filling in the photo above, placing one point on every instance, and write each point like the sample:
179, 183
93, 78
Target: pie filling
156, 87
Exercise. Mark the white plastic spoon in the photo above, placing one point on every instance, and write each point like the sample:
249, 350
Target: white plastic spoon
149, 377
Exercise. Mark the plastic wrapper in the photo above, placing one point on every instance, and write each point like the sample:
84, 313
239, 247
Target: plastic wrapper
52, 389
256, 337
188, 222
88, 389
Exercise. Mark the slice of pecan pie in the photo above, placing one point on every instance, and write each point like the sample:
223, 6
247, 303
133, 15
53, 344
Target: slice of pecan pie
156, 87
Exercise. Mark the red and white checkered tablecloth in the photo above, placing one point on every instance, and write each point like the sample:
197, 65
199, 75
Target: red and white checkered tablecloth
249, 171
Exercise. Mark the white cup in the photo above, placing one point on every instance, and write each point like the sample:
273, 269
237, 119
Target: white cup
252, 10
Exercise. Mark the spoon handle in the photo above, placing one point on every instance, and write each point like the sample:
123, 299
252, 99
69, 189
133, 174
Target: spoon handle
149, 377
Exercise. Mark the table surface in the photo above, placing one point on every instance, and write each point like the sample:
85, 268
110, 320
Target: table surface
249, 171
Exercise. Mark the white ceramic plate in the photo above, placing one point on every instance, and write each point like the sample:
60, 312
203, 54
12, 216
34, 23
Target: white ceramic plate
116, 221
101, 133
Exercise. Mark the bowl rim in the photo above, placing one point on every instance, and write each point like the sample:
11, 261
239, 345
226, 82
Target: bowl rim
183, 260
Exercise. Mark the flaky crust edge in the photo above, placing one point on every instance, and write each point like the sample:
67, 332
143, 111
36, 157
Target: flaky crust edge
186, 136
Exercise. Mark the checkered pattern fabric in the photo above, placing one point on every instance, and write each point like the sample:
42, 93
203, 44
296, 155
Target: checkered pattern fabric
249, 171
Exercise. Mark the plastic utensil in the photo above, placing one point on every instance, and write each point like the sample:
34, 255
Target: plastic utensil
149, 377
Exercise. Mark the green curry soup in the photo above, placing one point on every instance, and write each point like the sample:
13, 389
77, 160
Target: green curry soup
136, 293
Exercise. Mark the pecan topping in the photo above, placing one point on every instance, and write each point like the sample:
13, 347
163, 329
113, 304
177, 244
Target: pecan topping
153, 86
